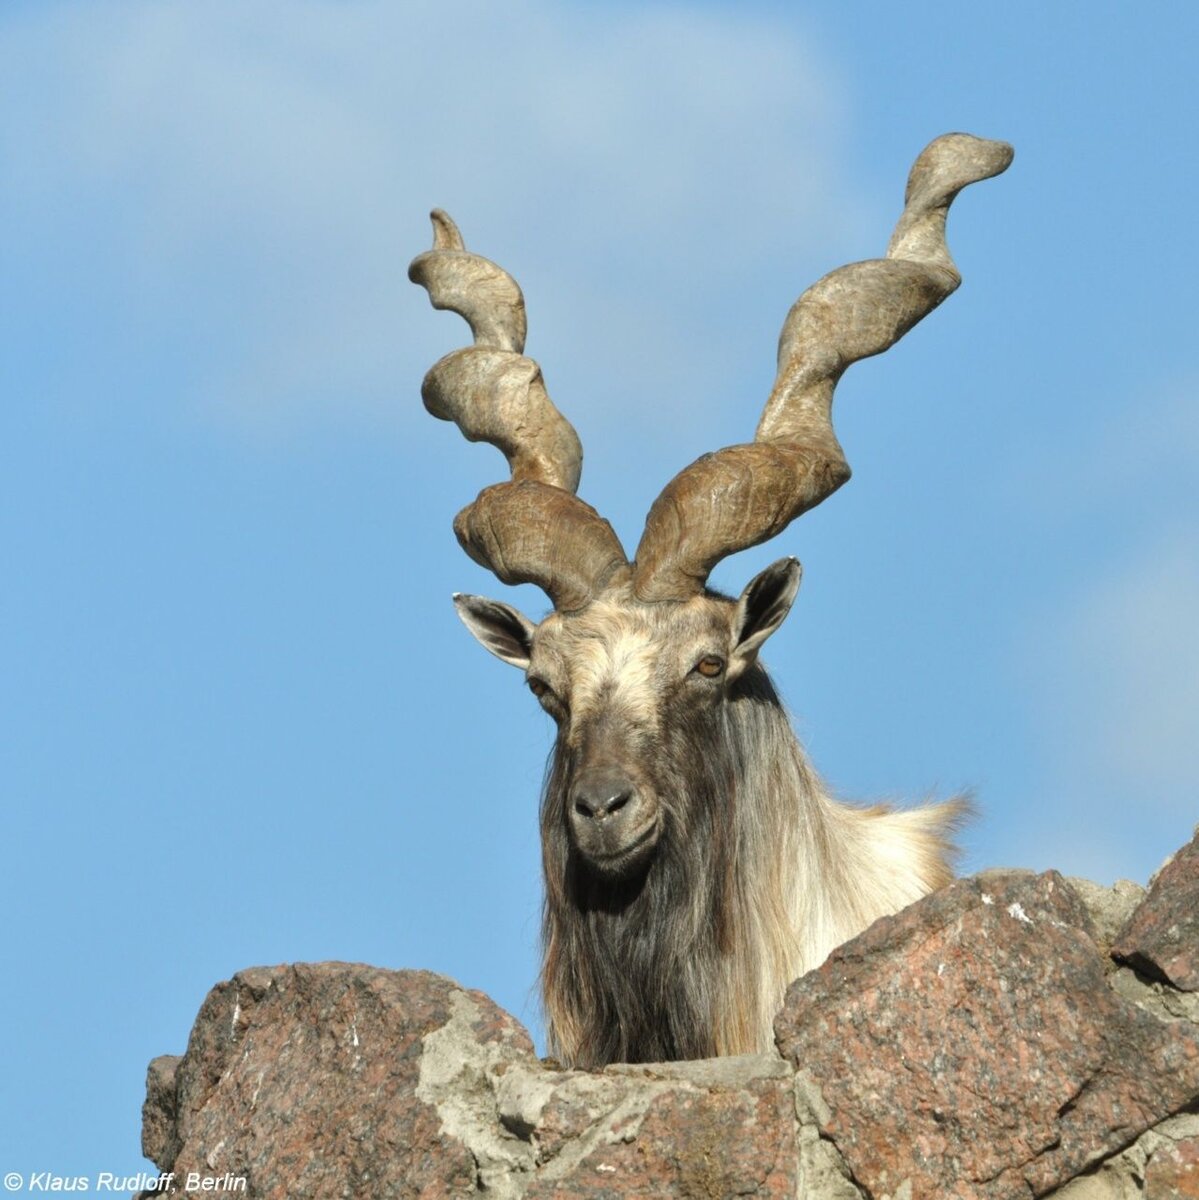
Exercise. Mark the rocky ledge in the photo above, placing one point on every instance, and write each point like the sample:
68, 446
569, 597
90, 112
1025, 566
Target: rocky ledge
1014, 1035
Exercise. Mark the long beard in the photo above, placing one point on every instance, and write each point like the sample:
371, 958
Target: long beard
635, 962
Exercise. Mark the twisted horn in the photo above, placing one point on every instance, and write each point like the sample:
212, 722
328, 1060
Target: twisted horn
532, 529
743, 495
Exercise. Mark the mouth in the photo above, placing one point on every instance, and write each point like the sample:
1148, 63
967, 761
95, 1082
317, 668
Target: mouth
625, 858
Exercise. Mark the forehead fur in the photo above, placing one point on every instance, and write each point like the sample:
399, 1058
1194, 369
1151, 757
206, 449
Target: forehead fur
619, 651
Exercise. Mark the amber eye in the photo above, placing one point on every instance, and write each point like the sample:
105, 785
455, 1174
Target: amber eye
538, 687
710, 665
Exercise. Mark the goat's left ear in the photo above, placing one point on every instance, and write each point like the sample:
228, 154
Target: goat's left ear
763, 607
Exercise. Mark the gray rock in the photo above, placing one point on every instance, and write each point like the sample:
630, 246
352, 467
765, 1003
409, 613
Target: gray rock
1109, 907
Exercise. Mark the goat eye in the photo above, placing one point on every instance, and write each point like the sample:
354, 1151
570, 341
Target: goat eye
538, 687
710, 665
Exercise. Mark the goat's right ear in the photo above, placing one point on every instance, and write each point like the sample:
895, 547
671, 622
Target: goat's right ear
507, 633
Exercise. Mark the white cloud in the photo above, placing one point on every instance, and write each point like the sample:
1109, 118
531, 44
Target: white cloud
249, 180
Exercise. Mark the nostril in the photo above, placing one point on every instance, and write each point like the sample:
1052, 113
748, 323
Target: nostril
586, 805
616, 803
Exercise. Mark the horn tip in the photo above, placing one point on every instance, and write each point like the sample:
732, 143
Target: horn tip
963, 158
446, 235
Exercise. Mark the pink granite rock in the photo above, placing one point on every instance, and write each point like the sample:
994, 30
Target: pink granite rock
708, 1130
970, 1046
323, 1080
1173, 1173
1161, 938
319, 1081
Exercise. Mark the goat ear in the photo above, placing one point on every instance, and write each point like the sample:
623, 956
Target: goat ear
507, 633
763, 607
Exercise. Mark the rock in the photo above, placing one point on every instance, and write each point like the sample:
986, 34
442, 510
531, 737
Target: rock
334, 1080
1163, 1001
979, 1045
1104, 1185
328, 1080
1153, 1165
1173, 1173
160, 1141
823, 1173
1161, 939
708, 1130
970, 1046
1109, 908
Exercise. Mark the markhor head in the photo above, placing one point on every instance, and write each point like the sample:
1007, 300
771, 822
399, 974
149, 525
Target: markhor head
638, 691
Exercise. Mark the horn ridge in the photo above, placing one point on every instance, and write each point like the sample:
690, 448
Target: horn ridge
744, 495
517, 531
532, 529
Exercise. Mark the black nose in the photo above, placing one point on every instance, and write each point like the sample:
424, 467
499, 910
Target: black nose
601, 796
610, 820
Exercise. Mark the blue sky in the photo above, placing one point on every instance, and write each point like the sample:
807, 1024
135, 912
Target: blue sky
243, 724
